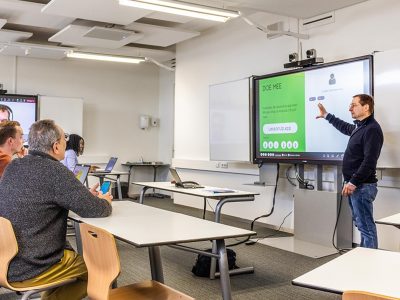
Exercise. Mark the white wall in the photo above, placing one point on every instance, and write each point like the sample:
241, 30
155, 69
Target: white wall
114, 97
236, 50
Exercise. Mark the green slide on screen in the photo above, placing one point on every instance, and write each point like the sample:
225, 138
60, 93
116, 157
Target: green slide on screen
282, 113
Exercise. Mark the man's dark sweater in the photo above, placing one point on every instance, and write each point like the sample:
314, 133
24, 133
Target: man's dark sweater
36, 193
363, 148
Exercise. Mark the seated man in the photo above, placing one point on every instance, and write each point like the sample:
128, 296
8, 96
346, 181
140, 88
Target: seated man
11, 142
36, 193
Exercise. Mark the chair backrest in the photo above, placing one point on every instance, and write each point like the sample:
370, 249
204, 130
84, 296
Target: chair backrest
102, 261
8, 249
360, 295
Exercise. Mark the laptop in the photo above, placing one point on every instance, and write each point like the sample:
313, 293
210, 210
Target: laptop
81, 172
183, 184
110, 166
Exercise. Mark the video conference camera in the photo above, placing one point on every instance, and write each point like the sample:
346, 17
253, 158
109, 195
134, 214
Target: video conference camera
311, 60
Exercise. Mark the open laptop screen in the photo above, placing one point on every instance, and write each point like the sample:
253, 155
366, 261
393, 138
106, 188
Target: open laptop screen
81, 172
111, 164
175, 175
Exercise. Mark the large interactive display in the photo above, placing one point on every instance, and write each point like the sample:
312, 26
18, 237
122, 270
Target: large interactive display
285, 127
21, 108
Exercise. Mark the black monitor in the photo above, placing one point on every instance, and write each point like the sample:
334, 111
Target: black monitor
285, 128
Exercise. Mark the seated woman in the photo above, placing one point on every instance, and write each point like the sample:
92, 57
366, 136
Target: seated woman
75, 147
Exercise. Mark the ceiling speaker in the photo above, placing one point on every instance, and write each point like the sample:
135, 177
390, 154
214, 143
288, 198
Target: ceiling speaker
110, 34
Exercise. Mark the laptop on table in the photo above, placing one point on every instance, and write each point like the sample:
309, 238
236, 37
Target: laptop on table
81, 172
183, 184
110, 166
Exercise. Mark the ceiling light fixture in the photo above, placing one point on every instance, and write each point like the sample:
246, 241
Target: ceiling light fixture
93, 56
184, 9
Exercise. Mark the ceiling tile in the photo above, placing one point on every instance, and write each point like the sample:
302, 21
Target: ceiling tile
297, 8
169, 17
77, 35
13, 36
160, 36
29, 14
108, 11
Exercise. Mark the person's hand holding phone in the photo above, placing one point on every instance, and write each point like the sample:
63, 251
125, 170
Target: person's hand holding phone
104, 192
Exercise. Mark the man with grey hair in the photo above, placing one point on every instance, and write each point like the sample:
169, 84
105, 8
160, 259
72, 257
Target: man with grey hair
36, 193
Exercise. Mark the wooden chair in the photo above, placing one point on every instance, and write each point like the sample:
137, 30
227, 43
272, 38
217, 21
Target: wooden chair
8, 250
359, 295
101, 257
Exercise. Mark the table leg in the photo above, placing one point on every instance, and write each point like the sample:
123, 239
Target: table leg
204, 208
213, 265
119, 187
154, 178
129, 175
78, 238
155, 173
218, 210
156, 264
143, 191
101, 179
224, 270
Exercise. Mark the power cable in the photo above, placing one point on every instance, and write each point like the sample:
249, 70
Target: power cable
270, 235
304, 182
340, 250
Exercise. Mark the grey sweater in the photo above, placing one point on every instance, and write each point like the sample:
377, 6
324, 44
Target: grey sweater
36, 193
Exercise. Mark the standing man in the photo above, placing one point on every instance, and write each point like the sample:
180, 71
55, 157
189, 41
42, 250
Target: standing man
36, 194
359, 163
11, 142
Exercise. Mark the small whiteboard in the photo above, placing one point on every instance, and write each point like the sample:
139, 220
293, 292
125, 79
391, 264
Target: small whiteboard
230, 120
66, 112
387, 93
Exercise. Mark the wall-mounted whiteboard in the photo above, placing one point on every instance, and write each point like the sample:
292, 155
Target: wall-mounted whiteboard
230, 120
66, 112
387, 99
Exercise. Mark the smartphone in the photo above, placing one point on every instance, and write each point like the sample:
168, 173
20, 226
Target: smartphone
105, 187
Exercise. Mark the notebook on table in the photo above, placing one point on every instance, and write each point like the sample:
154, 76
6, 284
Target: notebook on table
81, 172
183, 184
110, 166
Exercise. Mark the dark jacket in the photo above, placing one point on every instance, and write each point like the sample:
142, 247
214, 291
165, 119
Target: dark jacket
36, 193
363, 148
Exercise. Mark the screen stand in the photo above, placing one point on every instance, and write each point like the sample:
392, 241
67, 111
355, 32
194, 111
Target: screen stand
315, 213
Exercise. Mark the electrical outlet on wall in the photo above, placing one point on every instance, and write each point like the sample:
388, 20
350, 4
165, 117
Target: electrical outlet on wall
224, 165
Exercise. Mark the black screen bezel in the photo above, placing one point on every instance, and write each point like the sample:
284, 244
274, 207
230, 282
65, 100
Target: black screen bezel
256, 157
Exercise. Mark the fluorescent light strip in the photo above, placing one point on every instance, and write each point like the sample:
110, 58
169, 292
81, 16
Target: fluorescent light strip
105, 57
194, 7
181, 8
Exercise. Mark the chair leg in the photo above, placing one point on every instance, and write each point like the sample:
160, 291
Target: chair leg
27, 295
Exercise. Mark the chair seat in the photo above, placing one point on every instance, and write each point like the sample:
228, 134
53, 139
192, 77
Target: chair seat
360, 295
147, 290
40, 287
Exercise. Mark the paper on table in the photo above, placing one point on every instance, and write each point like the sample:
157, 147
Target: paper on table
219, 190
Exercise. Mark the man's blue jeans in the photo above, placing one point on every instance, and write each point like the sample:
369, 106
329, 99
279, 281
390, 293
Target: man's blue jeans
362, 210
